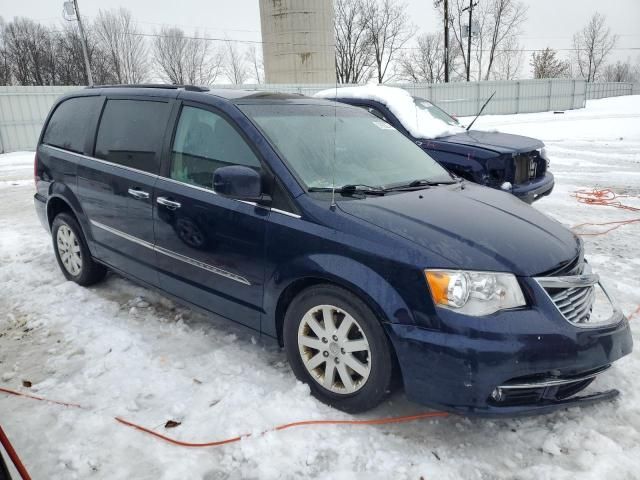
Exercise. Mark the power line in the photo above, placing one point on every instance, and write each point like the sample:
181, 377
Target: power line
260, 42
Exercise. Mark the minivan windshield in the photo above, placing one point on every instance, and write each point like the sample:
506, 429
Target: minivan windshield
334, 145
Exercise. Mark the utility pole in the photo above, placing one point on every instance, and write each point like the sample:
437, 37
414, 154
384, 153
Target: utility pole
446, 41
68, 7
470, 8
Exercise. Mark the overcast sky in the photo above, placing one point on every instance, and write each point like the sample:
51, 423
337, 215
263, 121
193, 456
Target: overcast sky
549, 22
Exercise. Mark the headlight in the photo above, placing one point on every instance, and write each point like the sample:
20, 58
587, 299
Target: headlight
474, 293
544, 155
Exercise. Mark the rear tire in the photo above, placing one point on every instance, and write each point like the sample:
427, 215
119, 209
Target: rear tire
336, 344
72, 252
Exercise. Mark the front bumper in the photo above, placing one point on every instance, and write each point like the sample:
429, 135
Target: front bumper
458, 367
535, 189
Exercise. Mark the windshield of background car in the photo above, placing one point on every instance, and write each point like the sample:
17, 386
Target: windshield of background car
332, 145
435, 111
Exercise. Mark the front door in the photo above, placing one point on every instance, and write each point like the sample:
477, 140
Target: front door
116, 185
209, 249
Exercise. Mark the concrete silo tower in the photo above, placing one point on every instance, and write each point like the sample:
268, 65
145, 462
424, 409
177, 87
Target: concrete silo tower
298, 41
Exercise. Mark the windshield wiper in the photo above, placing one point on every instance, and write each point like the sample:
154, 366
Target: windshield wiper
351, 188
418, 185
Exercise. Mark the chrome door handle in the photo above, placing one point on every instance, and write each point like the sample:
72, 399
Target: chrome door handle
139, 194
170, 204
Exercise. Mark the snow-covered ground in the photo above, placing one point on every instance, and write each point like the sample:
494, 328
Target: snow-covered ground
121, 350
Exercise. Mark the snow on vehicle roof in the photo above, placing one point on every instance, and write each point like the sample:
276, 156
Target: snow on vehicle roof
418, 121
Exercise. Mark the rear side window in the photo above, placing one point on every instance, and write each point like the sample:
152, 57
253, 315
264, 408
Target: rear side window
131, 132
69, 124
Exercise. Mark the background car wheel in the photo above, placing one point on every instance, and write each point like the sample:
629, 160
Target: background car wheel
73, 253
335, 343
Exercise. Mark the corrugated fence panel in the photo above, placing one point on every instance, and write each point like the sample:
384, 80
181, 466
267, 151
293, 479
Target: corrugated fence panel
22, 113
608, 89
23, 109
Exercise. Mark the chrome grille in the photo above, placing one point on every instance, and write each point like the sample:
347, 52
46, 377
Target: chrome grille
580, 298
575, 303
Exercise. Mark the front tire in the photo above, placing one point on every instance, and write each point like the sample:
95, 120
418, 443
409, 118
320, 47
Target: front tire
72, 252
335, 344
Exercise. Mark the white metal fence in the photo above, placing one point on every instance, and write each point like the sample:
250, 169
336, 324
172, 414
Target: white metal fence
611, 89
22, 113
466, 98
24, 109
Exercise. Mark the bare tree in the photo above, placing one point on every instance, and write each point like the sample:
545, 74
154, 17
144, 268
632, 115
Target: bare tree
185, 60
5, 65
125, 50
71, 67
354, 52
235, 65
425, 63
30, 52
545, 64
508, 60
592, 45
619, 72
254, 57
388, 30
499, 23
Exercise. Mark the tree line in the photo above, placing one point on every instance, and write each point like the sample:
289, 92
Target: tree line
119, 53
375, 41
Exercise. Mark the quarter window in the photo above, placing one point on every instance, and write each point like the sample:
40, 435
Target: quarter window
70, 122
131, 132
205, 141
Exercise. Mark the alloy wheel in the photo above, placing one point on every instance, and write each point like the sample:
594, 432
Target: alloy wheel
69, 250
334, 349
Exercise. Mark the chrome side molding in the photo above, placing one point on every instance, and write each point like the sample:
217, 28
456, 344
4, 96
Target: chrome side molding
172, 254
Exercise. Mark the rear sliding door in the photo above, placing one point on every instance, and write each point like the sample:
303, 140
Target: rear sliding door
116, 187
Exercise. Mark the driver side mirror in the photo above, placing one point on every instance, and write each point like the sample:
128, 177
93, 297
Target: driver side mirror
241, 183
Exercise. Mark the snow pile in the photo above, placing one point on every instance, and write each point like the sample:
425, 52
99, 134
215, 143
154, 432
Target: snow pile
417, 121
620, 115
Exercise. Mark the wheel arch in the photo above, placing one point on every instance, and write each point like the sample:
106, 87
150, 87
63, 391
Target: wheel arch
346, 273
62, 199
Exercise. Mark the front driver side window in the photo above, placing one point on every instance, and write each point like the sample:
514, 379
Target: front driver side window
205, 141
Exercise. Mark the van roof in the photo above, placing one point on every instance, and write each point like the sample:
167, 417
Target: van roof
227, 93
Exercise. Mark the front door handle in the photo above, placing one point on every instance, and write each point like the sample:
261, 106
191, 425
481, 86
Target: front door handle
170, 204
139, 194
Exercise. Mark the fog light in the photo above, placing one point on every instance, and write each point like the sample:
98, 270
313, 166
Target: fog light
506, 186
497, 394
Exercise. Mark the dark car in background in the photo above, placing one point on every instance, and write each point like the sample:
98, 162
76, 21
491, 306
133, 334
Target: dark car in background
283, 213
513, 163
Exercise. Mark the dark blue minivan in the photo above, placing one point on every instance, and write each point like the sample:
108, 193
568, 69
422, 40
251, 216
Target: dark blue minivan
513, 163
284, 213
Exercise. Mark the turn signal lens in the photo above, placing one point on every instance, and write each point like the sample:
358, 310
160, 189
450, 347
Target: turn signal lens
474, 293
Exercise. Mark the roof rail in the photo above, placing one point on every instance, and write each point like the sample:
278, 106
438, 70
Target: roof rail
190, 88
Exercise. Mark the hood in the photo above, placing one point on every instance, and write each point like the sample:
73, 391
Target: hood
474, 227
500, 142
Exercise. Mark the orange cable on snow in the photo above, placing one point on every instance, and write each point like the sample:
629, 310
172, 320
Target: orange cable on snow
34, 397
13, 455
375, 421
604, 197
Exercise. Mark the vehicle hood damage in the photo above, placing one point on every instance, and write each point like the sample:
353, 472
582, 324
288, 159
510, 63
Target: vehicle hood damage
474, 227
496, 141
